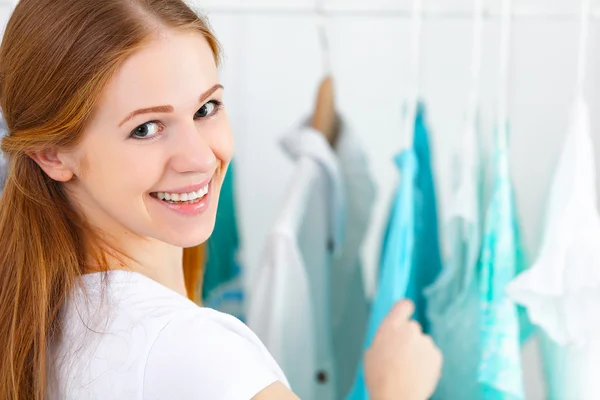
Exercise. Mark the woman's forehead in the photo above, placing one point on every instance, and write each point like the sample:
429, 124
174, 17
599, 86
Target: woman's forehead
173, 69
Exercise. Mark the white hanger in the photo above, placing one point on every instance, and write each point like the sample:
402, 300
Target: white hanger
323, 38
414, 83
476, 56
504, 67
466, 159
586, 8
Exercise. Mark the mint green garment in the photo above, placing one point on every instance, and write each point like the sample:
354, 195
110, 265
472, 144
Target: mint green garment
453, 299
566, 369
503, 325
222, 286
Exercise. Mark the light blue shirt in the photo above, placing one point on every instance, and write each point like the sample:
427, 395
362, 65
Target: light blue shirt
397, 259
411, 256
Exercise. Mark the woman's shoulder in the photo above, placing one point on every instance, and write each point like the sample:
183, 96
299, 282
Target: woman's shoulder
204, 353
135, 327
208, 354
133, 300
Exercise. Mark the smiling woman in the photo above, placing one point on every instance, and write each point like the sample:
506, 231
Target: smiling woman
118, 145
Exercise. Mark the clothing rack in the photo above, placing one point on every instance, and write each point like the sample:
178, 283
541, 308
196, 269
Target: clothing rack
387, 12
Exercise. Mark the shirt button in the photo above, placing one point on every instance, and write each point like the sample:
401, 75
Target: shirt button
322, 377
330, 245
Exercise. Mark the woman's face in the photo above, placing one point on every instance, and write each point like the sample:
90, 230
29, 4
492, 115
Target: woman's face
152, 160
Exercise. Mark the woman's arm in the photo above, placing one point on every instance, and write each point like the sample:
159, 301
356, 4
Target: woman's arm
276, 391
401, 364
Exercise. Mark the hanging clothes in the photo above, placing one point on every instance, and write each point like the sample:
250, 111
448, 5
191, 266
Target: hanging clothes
503, 325
453, 299
310, 288
222, 286
411, 256
561, 291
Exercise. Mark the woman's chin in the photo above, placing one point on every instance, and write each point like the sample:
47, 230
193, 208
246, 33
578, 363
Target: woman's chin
190, 239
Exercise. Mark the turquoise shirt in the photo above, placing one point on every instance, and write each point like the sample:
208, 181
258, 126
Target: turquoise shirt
222, 286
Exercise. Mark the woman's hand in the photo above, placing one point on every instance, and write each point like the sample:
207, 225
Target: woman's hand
402, 362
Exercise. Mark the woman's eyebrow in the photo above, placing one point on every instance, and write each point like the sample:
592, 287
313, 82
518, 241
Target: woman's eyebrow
157, 109
169, 108
209, 92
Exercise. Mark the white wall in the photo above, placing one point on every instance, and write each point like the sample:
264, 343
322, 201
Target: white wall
272, 68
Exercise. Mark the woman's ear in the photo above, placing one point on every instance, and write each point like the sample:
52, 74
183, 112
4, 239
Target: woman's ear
54, 163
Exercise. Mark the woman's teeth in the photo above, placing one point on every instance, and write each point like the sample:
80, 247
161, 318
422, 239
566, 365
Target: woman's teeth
182, 197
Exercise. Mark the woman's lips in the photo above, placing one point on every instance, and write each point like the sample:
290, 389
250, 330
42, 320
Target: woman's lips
193, 202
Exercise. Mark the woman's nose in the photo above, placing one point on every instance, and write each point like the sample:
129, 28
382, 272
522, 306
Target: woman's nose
192, 151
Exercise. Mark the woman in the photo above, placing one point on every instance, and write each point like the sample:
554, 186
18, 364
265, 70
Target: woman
118, 144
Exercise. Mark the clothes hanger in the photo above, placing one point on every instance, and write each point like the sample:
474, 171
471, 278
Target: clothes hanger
414, 83
505, 31
476, 56
470, 136
466, 158
586, 8
325, 116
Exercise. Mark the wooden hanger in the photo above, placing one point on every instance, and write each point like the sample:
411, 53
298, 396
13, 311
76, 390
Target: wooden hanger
325, 118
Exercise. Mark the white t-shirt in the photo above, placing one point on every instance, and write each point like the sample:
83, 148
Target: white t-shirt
125, 336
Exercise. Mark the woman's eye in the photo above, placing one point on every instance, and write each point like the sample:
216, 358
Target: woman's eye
146, 131
208, 109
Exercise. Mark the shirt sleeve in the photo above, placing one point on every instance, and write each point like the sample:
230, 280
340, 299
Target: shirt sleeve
200, 359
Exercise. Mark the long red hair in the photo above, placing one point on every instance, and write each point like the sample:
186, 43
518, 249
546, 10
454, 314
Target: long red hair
55, 59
